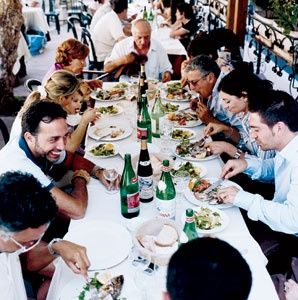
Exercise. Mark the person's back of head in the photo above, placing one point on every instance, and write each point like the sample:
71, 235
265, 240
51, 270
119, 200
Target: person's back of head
41, 111
204, 64
186, 9
119, 5
275, 106
208, 269
24, 203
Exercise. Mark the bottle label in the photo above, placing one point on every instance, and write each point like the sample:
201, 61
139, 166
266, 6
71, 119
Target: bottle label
146, 187
142, 132
189, 219
133, 202
145, 163
155, 126
166, 208
134, 180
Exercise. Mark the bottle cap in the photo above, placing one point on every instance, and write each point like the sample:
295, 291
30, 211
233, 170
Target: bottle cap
127, 155
189, 212
166, 162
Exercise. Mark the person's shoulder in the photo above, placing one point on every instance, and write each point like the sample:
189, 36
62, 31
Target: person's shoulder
156, 45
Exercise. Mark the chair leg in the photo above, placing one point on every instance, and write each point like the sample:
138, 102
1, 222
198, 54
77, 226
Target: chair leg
57, 23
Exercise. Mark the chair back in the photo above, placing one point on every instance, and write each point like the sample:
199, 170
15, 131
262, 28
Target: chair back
72, 20
4, 131
86, 19
32, 84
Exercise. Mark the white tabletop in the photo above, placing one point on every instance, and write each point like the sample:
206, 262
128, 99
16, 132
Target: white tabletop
103, 206
34, 18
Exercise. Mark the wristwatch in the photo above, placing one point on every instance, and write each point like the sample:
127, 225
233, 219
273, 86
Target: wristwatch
50, 247
238, 153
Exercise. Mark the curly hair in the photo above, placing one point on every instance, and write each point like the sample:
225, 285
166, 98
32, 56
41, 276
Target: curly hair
69, 50
24, 202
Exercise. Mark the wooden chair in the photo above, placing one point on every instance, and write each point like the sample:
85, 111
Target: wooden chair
71, 21
31, 84
51, 14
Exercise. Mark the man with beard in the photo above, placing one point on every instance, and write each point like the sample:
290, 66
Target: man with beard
274, 126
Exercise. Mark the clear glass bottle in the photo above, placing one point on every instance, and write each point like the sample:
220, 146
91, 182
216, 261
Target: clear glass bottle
129, 190
165, 193
157, 115
145, 173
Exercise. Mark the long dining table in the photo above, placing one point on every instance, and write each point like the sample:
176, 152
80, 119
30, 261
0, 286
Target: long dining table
103, 206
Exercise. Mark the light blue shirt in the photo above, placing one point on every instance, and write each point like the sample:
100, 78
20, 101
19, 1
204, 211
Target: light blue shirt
281, 214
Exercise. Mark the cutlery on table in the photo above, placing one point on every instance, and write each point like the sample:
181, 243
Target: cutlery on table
213, 186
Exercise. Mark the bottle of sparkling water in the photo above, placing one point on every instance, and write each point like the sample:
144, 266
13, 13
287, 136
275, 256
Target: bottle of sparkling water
145, 14
165, 194
129, 190
190, 226
151, 15
157, 115
145, 173
144, 121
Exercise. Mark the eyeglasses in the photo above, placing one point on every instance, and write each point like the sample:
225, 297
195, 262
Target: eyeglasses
195, 82
24, 248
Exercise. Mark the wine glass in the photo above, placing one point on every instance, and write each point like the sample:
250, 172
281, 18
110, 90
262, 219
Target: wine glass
110, 175
180, 179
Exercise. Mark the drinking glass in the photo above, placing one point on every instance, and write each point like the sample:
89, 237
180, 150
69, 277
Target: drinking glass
110, 175
180, 179
167, 128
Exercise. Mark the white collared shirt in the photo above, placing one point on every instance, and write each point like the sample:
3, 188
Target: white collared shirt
100, 12
281, 214
157, 63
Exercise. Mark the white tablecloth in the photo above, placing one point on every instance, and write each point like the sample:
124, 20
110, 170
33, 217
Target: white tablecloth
103, 206
34, 18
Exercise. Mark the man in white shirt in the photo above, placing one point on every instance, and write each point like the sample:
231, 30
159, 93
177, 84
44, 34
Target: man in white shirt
100, 12
127, 51
26, 209
274, 126
109, 29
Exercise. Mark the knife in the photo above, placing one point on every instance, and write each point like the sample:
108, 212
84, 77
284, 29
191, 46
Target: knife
213, 186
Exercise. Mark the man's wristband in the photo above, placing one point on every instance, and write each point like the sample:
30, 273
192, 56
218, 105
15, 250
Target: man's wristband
238, 153
50, 247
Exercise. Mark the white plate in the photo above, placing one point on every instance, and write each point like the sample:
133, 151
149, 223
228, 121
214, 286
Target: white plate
193, 134
189, 195
224, 221
107, 243
74, 287
97, 133
119, 108
196, 165
190, 158
188, 124
175, 99
87, 151
94, 93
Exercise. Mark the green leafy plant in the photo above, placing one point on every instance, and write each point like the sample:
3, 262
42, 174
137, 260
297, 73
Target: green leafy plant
286, 13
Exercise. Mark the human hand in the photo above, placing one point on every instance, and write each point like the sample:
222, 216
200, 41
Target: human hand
214, 128
204, 113
100, 176
75, 256
89, 115
95, 83
218, 147
233, 167
194, 103
166, 76
129, 58
228, 194
291, 290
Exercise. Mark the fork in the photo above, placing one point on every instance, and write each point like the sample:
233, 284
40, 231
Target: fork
202, 141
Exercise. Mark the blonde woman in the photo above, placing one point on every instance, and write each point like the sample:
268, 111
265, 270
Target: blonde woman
64, 88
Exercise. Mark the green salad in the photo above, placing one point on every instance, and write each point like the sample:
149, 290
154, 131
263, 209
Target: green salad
108, 110
180, 134
103, 150
168, 107
121, 85
188, 167
206, 219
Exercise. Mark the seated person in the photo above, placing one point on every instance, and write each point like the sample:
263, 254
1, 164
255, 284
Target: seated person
234, 91
187, 26
100, 12
26, 210
203, 77
274, 126
130, 50
109, 29
71, 56
63, 88
207, 269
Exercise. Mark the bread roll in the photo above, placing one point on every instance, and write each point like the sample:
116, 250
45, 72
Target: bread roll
167, 236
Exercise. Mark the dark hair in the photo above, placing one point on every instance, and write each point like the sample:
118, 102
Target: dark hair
119, 6
204, 64
202, 44
186, 9
24, 202
242, 80
275, 106
174, 4
41, 111
208, 268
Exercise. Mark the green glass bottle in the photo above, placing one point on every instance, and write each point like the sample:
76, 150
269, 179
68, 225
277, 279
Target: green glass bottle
190, 226
129, 190
151, 15
165, 193
144, 121
157, 115
145, 14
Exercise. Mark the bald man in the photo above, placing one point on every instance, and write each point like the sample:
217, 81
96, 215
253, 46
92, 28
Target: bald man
140, 45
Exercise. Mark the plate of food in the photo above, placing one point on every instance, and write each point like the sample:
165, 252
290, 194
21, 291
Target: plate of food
169, 107
102, 285
193, 151
194, 169
179, 134
209, 220
109, 133
103, 150
175, 92
110, 110
184, 119
113, 94
195, 193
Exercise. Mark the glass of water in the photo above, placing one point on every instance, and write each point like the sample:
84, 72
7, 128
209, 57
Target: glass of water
180, 179
110, 175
